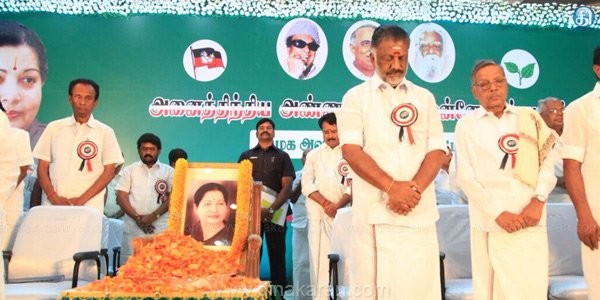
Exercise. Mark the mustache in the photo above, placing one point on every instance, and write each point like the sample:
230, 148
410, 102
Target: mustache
394, 72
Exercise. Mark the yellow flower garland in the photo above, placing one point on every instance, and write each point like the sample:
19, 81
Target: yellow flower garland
242, 217
177, 203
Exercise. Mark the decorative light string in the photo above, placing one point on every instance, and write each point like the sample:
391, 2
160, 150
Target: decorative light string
463, 11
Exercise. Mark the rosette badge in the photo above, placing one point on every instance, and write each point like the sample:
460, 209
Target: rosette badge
509, 144
161, 186
404, 115
343, 169
87, 150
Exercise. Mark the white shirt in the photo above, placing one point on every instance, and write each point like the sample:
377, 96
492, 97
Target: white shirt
492, 190
365, 120
139, 181
299, 208
15, 152
581, 143
58, 146
321, 173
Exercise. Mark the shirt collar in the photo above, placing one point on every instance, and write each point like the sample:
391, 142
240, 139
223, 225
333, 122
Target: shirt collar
596, 90
257, 147
91, 121
376, 83
482, 112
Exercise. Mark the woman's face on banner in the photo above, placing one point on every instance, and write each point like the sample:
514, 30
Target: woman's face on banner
20, 84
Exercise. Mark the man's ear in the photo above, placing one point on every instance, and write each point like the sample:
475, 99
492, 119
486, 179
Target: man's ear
596, 69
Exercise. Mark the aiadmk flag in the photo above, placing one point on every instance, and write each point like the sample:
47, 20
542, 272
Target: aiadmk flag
207, 57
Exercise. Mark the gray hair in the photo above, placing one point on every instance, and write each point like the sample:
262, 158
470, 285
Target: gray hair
480, 64
542, 103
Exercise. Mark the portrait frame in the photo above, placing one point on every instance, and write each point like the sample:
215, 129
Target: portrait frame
212, 175
282, 52
446, 61
347, 52
245, 244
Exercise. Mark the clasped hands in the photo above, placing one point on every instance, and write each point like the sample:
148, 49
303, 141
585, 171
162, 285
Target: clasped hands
60, 200
144, 222
403, 196
530, 216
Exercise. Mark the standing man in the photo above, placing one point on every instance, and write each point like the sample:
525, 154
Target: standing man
274, 169
16, 160
325, 183
300, 257
391, 135
143, 193
78, 154
506, 168
551, 109
581, 156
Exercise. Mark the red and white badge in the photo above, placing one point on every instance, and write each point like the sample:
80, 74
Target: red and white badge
161, 186
404, 115
343, 169
87, 150
509, 144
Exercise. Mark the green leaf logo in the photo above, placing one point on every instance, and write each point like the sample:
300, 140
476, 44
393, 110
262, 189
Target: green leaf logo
525, 72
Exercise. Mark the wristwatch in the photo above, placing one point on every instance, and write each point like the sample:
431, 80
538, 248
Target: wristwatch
540, 197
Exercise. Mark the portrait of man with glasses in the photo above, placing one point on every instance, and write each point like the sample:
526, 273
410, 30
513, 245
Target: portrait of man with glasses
303, 41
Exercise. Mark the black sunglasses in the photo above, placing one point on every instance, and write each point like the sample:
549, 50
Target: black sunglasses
312, 46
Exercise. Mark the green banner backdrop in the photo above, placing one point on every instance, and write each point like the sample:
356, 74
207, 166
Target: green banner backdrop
140, 63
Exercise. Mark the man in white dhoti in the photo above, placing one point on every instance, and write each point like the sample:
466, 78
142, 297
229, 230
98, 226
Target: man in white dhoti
392, 138
581, 157
505, 165
326, 185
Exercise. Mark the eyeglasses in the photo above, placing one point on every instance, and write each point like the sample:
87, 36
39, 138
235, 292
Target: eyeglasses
556, 110
312, 46
487, 85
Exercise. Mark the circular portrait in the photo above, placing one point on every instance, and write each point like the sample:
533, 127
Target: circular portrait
431, 53
301, 48
356, 49
204, 60
210, 213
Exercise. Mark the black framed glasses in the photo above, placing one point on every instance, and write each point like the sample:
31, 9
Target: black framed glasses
312, 46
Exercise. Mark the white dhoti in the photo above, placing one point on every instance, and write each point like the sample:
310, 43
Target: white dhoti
394, 262
510, 265
590, 261
319, 243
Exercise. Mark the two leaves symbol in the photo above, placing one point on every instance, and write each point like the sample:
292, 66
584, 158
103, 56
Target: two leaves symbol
526, 72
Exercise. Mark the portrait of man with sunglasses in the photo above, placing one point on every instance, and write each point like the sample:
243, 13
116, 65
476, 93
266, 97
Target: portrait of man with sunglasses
302, 44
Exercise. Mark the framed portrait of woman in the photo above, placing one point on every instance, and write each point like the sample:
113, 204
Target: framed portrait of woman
211, 202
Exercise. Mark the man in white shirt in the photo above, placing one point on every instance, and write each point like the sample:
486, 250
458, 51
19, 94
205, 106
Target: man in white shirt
325, 183
551, 109
581, 157
392, 137
78, 154
143, 193
505, 165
